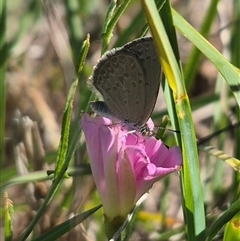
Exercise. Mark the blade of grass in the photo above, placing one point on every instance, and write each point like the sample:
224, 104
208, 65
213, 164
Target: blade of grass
230, 73
83, 55
192, 190
172, 72
220, 120
30, 177
236, 60
66, 150
61, 166
62, 161
43, 176
111, 20
194, 58
109, 15
56, 232
232, 229
226, 217
133, 28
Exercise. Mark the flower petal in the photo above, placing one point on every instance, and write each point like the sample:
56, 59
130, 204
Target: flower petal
126, 184
125, 164
100, 144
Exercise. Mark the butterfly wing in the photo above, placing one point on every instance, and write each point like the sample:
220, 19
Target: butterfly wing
119, 77
146, 53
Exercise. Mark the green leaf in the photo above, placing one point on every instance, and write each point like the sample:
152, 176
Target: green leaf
193, 205
194, 58
220, 222
56, 232
230, 73
65, 153
61, 166
112, 17
232, 229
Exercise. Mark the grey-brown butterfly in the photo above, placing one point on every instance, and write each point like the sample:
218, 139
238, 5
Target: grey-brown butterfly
128, 78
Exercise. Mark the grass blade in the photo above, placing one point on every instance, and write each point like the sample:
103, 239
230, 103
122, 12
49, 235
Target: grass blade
192, 189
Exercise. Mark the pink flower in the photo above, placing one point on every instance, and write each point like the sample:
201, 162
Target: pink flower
125, 165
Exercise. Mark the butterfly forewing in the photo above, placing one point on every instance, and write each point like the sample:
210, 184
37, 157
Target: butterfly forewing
115, 78
146, 52
128, 78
